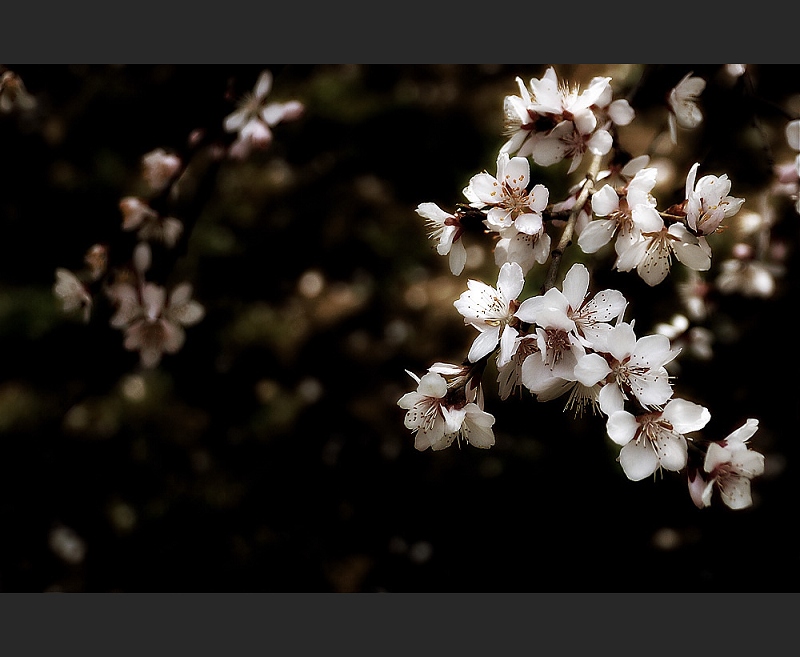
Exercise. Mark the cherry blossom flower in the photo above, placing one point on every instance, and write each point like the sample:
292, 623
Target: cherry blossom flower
425, 416
254, 117
507, 196
491, 311
72, 293
137, 215
447, 407
628, 367
729, 468
682, 102
655, 440
651, 255
708, 203
159, 168
553, 121
445, 229
591, 318
557, 339
616, 215
152, 322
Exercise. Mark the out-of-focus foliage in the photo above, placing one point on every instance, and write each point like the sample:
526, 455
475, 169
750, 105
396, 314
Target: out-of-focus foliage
269, 453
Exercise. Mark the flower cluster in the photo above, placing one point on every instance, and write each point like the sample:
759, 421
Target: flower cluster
153, 314
253, 119
571, 340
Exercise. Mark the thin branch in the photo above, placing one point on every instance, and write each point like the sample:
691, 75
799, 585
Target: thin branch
566, 236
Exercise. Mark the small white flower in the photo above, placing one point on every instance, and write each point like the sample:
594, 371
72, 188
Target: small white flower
154, 324
651, 254
591, 317
137, 215
159, 168
254, 117
554, 121
425, 416
616, 214
445, 229
491, 311
507, 196
708, 202
446, 407
655, 440
729, 467
682, 100
628, 367
72, 293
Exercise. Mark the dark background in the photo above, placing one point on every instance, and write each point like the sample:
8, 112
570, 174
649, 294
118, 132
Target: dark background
269, 454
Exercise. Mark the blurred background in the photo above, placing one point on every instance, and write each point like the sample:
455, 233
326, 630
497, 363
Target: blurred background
269, 453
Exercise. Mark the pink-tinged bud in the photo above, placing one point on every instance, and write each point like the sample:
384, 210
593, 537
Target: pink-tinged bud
159, 167
134, 212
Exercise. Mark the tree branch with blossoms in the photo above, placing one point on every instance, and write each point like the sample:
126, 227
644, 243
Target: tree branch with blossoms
132, 271
570, 342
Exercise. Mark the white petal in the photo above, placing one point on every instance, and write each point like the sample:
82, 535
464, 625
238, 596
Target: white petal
263, 84
596, 235
621, 427
621, 112
432, 385
638, 460
686, 416
508, 340
600, 142
529, 223
793, 134
610, 399
517, 172
433, 212
458, 257
576, 285
655, 265
605, 201
743, 433
735, 492
672, 453
510, 281
591, 369
484, 344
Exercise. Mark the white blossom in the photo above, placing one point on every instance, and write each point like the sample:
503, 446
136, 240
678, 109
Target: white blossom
628, 367
445, 229
684, 111
159, 168
153, 323
491, 310
708, 202
254, 117
655, 440
651, 255
72, 293
507, 196
729, 467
